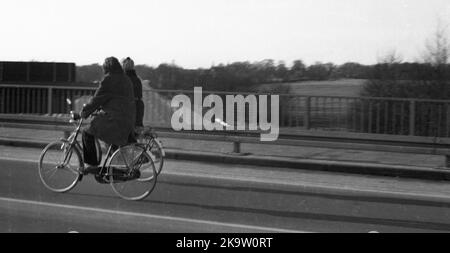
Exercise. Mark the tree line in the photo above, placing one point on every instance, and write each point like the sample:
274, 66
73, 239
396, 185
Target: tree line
243, 76
431, 71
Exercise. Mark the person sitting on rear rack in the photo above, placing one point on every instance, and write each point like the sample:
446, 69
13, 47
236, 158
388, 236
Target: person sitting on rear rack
128, 67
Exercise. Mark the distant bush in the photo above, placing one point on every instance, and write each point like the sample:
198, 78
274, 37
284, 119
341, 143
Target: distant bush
89, 73
408, 80
429, 82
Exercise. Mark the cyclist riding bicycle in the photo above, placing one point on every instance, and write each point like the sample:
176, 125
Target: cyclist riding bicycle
115, 124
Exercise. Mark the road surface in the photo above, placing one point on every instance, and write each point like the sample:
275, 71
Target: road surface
205, 197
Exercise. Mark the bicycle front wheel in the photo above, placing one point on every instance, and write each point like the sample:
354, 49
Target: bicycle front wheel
59, 166
131, 173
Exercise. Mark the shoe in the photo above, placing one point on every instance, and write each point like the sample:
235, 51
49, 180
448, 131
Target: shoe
101, 179
90, 169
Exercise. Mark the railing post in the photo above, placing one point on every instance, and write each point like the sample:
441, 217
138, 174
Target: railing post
412, 116
49, 100
447, 161
236, 147
307, 115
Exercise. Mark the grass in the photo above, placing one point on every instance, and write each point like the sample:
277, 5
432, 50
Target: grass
342, 87
325, 113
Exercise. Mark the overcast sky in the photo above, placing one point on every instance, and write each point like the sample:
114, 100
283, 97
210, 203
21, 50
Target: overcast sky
199, 33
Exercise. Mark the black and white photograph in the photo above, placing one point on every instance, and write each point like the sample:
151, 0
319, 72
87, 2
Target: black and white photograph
224, 122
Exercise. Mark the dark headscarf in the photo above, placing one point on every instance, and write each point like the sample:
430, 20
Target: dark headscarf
112, 65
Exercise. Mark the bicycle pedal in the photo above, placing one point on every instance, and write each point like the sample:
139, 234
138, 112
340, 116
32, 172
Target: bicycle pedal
101, 179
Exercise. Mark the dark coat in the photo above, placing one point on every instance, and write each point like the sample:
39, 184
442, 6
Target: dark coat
137, 87
115, 97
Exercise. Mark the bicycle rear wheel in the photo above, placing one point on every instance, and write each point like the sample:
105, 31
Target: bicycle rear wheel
131, 173
157, 154
59, 166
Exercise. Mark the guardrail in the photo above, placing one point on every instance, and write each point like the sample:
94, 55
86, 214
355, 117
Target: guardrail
310, 138
396, 116
39, 99
379, 124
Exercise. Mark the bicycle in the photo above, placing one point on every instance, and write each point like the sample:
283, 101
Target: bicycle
148, 140
129, 170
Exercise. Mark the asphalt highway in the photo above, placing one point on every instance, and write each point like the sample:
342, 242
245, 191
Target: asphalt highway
205, 197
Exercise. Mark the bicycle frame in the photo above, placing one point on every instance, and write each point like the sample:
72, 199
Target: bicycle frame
146, 146
72, 140
73, 143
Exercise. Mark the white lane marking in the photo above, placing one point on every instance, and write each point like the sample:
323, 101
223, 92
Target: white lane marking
151, 216
19, 159
196, 175
305, 185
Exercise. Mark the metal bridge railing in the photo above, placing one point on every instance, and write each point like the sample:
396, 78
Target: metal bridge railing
394, 116
288, 137
39, 99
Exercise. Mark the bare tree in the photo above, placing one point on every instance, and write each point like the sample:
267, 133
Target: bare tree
391, 57
437, 48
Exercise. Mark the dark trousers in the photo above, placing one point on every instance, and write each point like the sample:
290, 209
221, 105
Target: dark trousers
139, 113
89, 150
